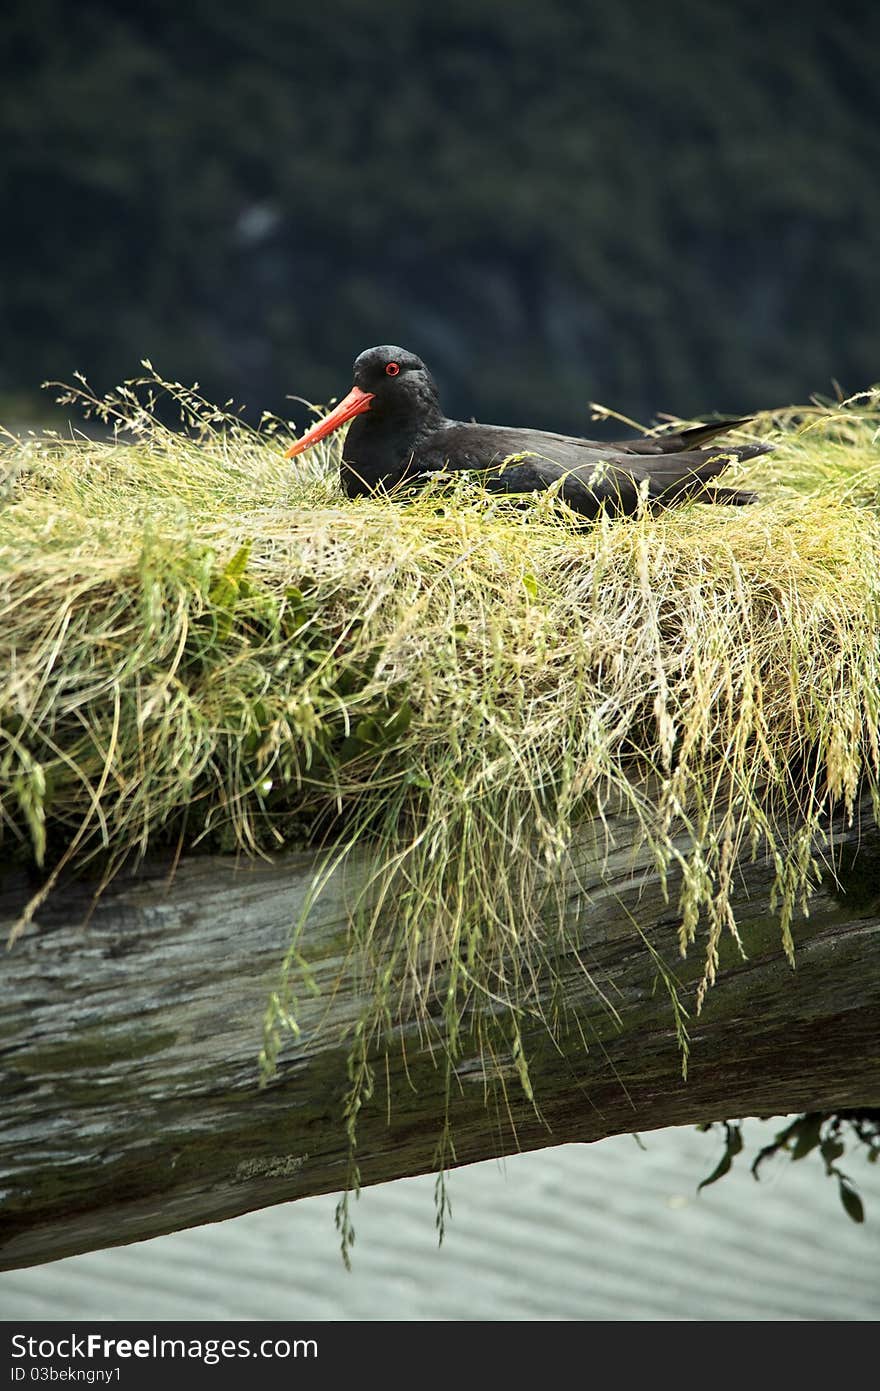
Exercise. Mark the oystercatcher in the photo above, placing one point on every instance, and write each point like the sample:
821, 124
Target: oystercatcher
401, 438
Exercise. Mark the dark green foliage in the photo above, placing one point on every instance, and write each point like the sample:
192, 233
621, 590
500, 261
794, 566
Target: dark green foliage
830, 1134
732, 1147
663, 207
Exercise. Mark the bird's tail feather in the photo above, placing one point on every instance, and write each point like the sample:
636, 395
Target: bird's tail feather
699, 435
682, 441
749, 451
733, 497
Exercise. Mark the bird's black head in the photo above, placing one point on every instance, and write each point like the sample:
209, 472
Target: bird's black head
391, 384
397, 380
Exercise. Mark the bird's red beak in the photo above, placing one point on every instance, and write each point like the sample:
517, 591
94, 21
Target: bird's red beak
355, 403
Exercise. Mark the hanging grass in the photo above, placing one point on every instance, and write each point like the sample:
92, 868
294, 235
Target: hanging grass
203, 646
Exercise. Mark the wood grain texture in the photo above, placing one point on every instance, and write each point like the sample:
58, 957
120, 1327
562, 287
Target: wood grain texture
130, 1031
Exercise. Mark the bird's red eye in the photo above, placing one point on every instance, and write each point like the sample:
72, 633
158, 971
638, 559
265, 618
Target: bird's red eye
392, 369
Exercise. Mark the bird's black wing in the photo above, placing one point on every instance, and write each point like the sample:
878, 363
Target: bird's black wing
681, 442
589, 476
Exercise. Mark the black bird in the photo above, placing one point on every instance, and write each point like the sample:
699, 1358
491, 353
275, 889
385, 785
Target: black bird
401, 436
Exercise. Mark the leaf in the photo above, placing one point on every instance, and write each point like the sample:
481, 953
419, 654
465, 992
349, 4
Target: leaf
416, 779
731, 1150
399, 722
229, 586
295, 610
530, 585
852, 1203
721, 1168
372, 733
807, 1135
350, 749
831, 1150
348, 680
368, 731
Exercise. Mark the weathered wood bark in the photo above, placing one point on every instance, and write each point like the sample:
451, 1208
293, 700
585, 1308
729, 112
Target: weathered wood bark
131, 1029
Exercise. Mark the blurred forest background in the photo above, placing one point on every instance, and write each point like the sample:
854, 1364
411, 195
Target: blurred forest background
661, 207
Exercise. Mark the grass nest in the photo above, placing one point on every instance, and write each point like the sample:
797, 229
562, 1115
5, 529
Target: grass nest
203, 645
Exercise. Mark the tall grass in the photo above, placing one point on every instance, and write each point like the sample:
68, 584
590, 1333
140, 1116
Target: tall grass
202, 645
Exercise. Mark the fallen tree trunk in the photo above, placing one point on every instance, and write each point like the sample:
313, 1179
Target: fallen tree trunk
131, 1030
